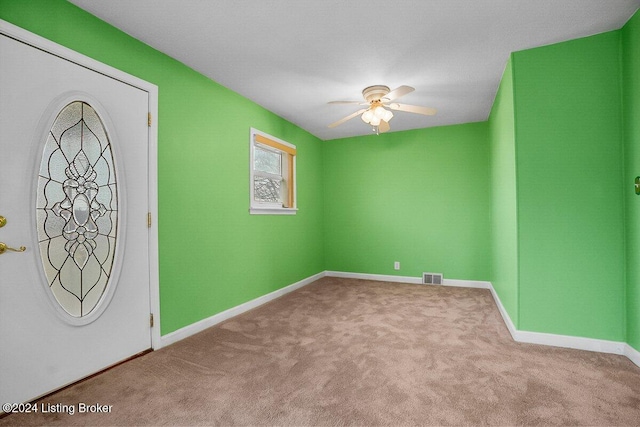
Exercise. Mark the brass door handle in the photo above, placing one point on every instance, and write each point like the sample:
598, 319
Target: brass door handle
4, 248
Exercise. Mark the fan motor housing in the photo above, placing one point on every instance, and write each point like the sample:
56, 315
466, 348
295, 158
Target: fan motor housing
375, 93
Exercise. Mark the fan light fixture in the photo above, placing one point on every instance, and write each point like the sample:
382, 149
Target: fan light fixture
376, 98
375, 114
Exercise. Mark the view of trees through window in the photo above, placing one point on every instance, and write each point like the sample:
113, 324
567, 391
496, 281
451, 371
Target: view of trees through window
272, 175
267, 188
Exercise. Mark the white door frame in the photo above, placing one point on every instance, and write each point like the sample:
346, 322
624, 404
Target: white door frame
46, 45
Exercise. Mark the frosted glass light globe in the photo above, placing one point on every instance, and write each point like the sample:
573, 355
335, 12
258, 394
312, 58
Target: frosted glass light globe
379, 112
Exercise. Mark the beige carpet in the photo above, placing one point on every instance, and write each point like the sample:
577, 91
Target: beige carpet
352, 352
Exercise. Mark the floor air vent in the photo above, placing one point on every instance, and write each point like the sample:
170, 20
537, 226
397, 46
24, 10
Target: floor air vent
432, 278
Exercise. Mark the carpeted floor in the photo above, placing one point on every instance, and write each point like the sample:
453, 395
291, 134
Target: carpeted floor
354, 352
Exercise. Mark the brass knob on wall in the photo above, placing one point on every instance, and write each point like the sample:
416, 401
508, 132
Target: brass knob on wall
3, 221
4, 248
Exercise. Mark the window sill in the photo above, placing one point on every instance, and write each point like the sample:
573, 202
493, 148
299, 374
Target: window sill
272, 211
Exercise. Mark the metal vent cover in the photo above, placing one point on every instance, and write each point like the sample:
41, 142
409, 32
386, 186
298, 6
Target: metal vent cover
432, 278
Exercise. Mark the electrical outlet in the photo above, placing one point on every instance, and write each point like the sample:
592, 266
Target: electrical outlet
396, 265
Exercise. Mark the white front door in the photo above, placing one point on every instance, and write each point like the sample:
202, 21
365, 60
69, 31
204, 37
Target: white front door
74, 192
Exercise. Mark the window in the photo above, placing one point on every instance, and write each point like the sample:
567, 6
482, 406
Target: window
77, 209
272, 175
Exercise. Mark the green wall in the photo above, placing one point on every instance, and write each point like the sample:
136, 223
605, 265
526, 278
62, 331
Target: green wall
419, 197
504, 214
631, 108
569, 113
213, 254
570, 207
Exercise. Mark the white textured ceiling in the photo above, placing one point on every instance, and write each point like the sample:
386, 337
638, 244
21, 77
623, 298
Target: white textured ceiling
294, 56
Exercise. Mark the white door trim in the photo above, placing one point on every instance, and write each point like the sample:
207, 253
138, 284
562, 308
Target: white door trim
46, 45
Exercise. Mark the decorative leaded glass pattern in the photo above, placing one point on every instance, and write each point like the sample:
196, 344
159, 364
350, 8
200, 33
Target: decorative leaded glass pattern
77, 209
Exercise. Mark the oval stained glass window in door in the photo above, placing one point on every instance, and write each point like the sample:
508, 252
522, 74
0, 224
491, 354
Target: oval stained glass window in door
77, 209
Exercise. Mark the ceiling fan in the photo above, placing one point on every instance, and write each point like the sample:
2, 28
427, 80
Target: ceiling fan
377, 98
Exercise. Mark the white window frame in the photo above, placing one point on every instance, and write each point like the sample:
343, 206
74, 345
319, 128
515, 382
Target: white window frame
288, 173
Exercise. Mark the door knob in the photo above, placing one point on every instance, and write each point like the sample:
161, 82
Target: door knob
4, 248
3, 221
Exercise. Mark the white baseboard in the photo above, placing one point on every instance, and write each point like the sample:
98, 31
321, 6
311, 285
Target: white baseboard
568, 341
565, 341
408, 279
632, 354
503, 312
375, 277
203, 324
467, 283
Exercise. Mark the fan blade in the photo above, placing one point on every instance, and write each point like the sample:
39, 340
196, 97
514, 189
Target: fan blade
397, 93
348, 102
383, 126
349, 117
413, 109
